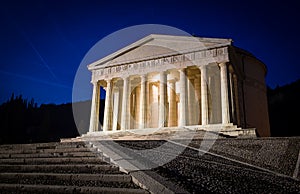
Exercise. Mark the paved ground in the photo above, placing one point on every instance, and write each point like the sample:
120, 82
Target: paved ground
230, 166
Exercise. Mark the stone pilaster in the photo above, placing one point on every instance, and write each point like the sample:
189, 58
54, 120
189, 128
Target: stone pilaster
236, 99
94, 118
232, 100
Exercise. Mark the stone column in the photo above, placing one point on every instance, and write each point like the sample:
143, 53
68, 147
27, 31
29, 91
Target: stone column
124, 117
191, 102
198, 98
107, 110
204, 100
137, 107
94, 118
162, 121
173, 105
143, 102
224, 94
182, 107
115, 108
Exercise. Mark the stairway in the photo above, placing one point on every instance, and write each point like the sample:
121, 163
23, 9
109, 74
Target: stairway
67, 167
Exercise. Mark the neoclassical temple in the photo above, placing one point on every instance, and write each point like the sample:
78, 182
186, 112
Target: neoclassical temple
180, 81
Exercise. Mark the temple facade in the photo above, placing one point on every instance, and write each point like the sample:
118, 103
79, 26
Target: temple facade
180, 81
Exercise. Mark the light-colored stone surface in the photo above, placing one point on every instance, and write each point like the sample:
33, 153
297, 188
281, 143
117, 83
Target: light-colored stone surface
161, 74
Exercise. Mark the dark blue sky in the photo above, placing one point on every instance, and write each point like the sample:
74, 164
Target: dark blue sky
42, 43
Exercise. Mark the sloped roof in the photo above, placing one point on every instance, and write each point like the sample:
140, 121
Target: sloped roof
156, 45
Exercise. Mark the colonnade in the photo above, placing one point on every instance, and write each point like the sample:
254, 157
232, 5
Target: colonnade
131, 106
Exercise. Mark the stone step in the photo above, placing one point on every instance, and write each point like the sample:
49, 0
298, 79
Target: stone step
59, 160
69, 167
43, 145
77, 168
28, 189
52, 150
66, 178
49, 155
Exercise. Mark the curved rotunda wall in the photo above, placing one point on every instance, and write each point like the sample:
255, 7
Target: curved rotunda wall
255, 96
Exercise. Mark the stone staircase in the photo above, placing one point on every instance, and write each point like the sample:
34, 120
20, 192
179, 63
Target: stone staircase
67, 167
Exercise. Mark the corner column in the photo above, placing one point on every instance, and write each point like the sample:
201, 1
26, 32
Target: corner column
162, 121
224, 94
204, 100
94, 118
182, 107
107, 110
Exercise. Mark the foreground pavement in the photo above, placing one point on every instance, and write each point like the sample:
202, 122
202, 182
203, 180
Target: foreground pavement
192, 171
192, 161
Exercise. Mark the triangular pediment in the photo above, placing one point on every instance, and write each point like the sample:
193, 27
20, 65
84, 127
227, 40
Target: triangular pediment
154, 46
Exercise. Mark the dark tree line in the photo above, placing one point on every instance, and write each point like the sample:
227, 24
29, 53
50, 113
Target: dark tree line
22, 121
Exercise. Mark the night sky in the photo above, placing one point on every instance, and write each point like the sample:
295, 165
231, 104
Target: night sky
42, 43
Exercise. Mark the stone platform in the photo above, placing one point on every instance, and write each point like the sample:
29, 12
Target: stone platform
214, 131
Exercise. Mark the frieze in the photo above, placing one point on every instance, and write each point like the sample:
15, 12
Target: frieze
142, 66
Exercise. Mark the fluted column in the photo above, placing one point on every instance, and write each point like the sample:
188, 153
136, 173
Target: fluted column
198, 98
191, 102
94, 118
143, 102
115, 108
182, 107
162, 120
137, 107
125, 113
204, 97
107, 110
173, 105
224, 94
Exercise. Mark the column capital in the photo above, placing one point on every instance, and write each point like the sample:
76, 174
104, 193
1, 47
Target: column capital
163, 73
144, 76
95, 82
202, 67
223, 64
174, 80
108, 79
123, 77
